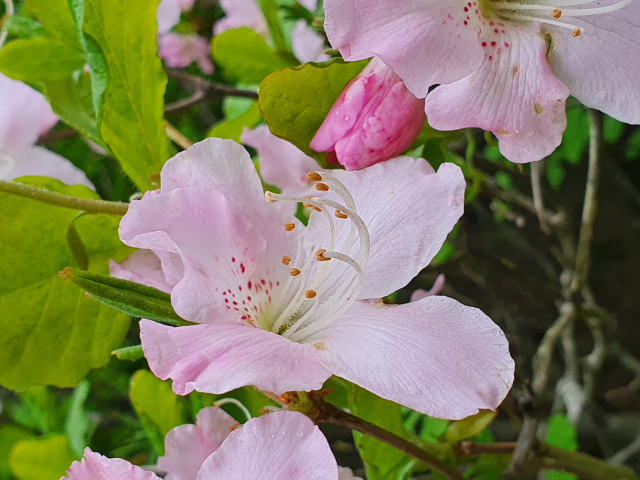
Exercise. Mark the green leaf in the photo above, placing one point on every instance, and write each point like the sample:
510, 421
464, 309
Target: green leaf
53, 334
9, 436
470, 426
270, 11
76, 245
40, 59
158, 407
55, 17
39, 410
381, 461
432, 428
131, 121
556, 172
295, 102
129, 297
560, 433
23, 27
44, 458
129, 353
613, 130
232, 129
77, 425
245, 56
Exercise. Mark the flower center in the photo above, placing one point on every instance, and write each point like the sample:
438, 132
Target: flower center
325, 278
547, 11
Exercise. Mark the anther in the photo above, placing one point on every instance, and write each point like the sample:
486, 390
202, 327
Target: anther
557, 13
289, 226
339, 214
294, 272
310, 293
308, 205
320, 256
322, 187
576, 32
314, 177
286, 260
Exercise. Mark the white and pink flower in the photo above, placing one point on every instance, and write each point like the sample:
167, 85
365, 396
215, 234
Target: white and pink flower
279, 304
504, 66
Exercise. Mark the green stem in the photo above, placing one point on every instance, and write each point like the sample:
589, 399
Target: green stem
61, 200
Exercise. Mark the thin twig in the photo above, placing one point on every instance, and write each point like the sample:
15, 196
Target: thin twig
178, 138
536, 189
194, 84
67, 201
626, 453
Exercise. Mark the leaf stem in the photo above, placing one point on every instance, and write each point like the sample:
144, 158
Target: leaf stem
61, 200
9, 10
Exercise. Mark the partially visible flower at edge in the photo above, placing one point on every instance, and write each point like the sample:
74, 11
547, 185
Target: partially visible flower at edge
168, 13
375, 119
274, 326
25, 115
505, 67
438, 285
179, 51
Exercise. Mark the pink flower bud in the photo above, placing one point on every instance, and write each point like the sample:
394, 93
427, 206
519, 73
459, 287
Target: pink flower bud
375, 119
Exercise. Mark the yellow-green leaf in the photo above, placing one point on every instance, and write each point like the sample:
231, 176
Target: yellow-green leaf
45, 458
470, 426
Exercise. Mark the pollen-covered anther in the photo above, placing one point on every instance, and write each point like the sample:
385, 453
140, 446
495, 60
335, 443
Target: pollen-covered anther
557, 13
289, 226
314, 177
576, 32
322, 187
308, 205
320, 256
294, 272
286, 260
310, 294
339, 214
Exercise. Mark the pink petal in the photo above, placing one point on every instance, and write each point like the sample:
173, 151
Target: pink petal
435, 355
281, 163
345, 473
168, 15
409, 211
425, 43
142, 267
47, 119
279, 446
94, 466
187, 446
435, 290
178, 51
42, 162
221, 357
308, 45
311, 5
375, 119
601, 67
241, 13
514, 94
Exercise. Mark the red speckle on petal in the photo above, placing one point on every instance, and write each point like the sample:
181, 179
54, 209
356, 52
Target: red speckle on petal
233, 259
493, 44
484, 44
242, 267
249, 285
263, 282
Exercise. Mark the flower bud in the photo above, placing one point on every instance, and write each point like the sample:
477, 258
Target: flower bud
375, 119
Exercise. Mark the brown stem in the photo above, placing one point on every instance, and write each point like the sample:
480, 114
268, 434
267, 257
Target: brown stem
205, 88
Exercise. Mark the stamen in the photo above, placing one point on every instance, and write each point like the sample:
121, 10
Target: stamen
557, 13
294, 272
576, 32
314, 176
322, 187
339, 214
286, 260
320, 256
289, 226
310, 294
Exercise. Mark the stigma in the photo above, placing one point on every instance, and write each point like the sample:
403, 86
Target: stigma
326, 274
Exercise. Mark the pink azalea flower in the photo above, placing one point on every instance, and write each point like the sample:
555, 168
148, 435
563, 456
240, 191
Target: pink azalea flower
504, 66
241, 13
178, 51
375, 119
188, 446
25, 115
275, 314
168, 13
308, 45
94, 466
155, 269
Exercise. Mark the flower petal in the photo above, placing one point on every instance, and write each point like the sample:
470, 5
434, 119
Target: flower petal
142, 267
42, 162
168, 15
435, 355
308, 45
221, 357
514, 94
408, 209
94, 466
187, 446
425, 42
241, 13
279, 446
601, 67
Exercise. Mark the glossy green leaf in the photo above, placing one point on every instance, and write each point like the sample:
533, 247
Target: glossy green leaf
470, 426
131, 121
381, 461
23, 27
52, 333
55, 17
560, 433
40, 59
294, 102
44, 458
232, 129
9, 436
245, 57
158, 407
129, 297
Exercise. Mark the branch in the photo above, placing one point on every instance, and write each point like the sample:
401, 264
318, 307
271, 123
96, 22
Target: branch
536, 188
61, 200
177, 137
